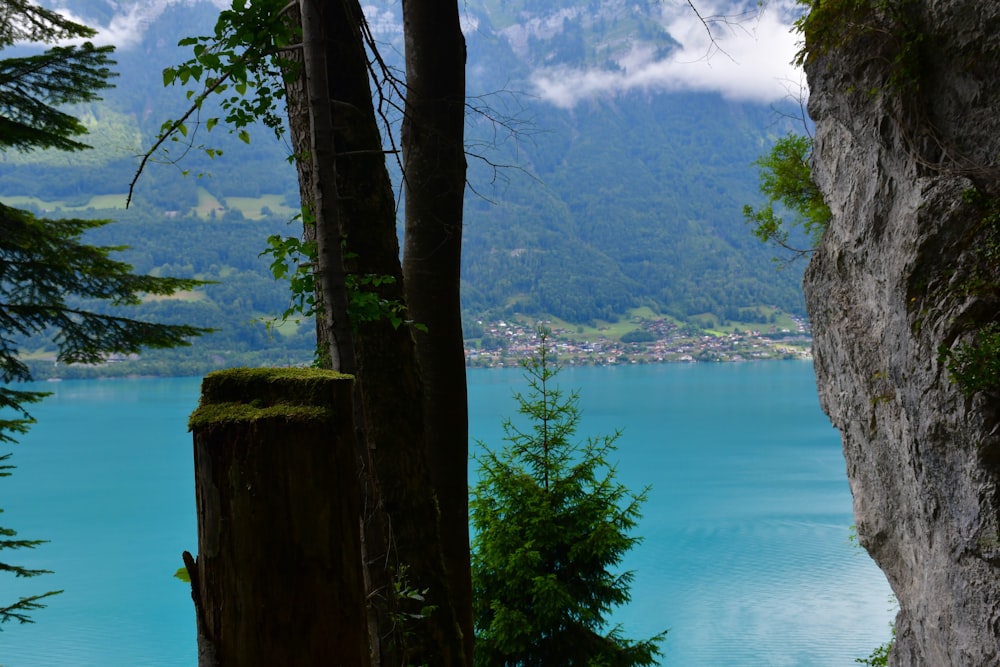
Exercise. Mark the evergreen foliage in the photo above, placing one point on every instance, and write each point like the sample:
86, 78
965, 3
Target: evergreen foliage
32, 87
47, 274
19, 610
552, 525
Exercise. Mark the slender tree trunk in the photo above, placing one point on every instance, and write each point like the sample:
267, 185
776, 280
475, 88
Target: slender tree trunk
371, 526
297, 107
389, 388
330, 270
367, 211
434, 185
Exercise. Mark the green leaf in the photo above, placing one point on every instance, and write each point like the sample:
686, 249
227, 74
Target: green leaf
244, 136
183, 575
786, 181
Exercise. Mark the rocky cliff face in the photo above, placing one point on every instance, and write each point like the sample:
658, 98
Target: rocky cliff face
907, 107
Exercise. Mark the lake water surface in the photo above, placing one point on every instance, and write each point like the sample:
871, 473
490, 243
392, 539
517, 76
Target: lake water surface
746, 557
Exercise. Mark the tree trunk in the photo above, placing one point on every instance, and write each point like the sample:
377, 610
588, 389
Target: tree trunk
331, 274
297, 108
402, 538
408, 534
278, 577
434, 185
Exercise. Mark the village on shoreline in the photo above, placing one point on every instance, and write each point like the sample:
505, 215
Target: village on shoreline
507, 343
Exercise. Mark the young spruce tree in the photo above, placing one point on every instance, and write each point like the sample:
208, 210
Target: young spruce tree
551, 526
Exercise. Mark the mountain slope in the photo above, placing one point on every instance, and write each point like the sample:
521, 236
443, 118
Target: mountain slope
622, 200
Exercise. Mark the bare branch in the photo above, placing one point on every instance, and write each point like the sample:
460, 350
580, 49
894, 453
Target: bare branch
799, 94
730, 22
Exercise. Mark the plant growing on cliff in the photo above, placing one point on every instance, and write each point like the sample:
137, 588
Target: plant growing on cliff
786, 181
889, 24
879, 657
552, 524
975, 366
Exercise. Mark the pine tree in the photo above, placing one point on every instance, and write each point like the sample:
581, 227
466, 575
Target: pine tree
49, 278
32, 87
552, 525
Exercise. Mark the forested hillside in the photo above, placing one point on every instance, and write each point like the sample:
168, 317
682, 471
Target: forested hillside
580, 212
238, 303
637, 202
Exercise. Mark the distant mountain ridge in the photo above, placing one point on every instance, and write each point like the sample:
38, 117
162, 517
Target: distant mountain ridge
616, 201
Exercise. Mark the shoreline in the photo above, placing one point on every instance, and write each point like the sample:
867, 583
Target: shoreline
507, 344
502, 345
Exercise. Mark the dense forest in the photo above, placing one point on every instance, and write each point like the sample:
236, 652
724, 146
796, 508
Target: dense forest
239, 302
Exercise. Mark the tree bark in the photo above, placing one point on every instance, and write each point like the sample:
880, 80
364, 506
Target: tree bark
402, 539
278, 577
331, 274
297, 108
434, 172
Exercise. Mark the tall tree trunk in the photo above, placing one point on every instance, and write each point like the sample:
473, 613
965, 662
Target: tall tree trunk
402, 535
297, 108
434, 185
330, 271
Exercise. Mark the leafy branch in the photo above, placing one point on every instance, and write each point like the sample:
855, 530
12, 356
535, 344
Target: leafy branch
786, 181
293, 259
246, 57
975, 366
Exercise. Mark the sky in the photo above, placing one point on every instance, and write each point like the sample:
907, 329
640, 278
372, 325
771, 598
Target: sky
747, 59
129, 23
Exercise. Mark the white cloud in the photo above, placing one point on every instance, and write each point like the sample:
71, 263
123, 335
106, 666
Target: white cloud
129, 25
748, 61
382, 22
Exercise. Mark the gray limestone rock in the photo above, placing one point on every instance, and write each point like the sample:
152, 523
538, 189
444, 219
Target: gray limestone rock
904, 269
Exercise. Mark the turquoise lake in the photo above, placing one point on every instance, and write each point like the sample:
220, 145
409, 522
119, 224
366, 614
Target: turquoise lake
746, 555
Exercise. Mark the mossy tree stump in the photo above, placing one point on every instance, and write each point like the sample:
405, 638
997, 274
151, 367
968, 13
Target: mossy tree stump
278, 577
